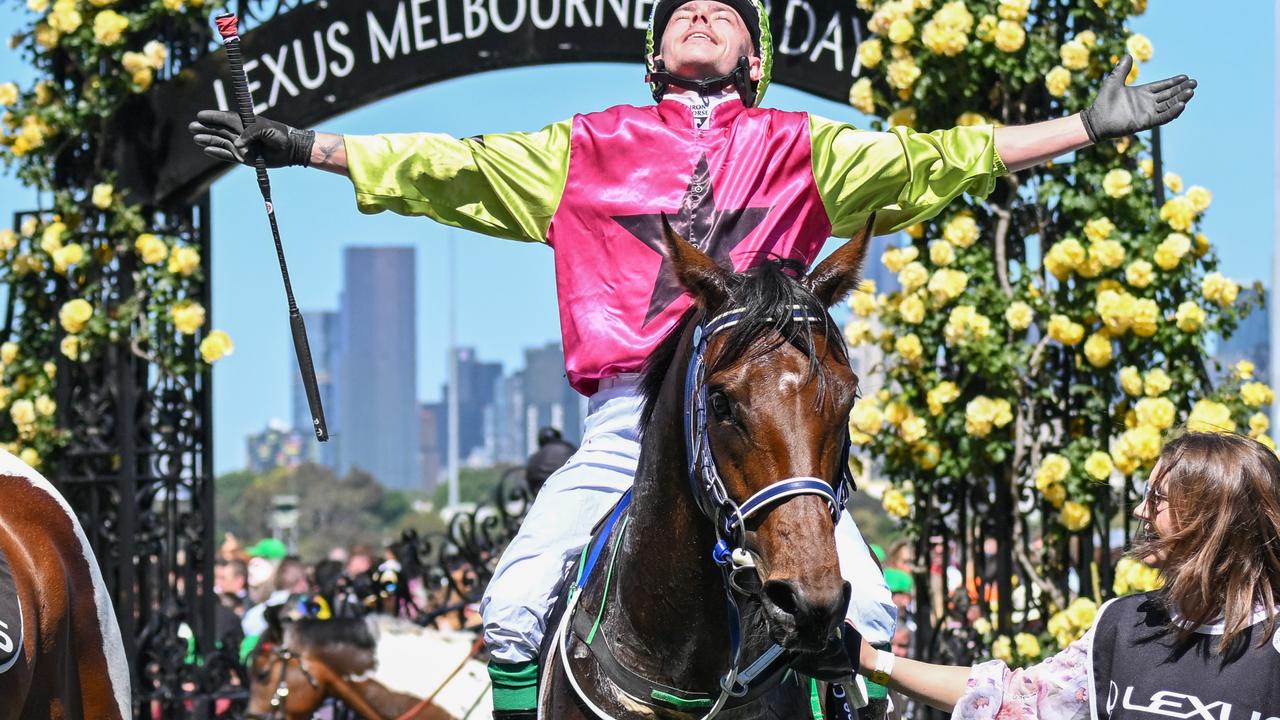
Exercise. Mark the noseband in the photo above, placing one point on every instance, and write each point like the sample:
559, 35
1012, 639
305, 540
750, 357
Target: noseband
282, 656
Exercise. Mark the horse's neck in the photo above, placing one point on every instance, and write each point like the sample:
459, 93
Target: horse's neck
668, 615
391, 704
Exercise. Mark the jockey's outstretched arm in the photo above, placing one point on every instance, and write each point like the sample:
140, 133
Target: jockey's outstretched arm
1118, 110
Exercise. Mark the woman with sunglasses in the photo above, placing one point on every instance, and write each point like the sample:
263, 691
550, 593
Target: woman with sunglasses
1204, 647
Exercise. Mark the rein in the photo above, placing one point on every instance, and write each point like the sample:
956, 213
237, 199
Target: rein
729, 517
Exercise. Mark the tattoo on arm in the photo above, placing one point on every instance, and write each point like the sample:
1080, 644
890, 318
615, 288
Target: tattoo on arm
329, 153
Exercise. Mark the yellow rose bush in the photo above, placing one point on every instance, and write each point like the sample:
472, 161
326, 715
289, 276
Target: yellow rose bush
1047, 338
91, 272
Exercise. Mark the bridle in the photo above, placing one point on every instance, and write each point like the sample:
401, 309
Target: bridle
729, 518
281, 657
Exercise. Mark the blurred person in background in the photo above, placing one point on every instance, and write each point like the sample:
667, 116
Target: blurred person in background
552, 453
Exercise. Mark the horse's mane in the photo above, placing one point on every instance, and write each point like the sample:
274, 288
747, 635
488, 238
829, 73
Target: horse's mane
766, 294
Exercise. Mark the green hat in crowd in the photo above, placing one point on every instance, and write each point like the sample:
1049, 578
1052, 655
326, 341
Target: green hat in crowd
877, 551
898, 580
269, 548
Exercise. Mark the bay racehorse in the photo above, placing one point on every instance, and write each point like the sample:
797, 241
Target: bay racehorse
61, 655
718, 574
382, 667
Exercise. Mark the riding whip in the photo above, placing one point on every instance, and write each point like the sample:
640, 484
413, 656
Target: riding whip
228, 28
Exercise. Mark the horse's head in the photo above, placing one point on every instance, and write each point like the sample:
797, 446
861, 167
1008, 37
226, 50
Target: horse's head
778, 393
297, 664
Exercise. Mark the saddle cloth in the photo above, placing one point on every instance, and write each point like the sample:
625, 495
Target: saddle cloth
10, 617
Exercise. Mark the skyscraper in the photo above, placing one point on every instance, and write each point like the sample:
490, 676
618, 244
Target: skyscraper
377, 406
322, 334
549, 401
1251, 341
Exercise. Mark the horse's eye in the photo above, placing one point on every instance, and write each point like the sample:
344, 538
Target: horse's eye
721, 407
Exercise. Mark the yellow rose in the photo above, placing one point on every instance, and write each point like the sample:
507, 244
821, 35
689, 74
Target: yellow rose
896, 412
1139, 46
185, 260
1116, 310
23, 412
1209, 416
964, 324
1146, 317
903, 73
1026, 643
1157, 412
1002, 649
188, 316
51, 238
961, 230
1189, 316
915, 232
173, 5
156, 54
30, 456
1147, 167
860, 96
913, 276
1075, 516
1097, 350
8, 94
152, 249
1099, 229
1139, 274
1156, 383
1256, 394
866, 416
911, 310
8, 352
1199, 198
979, 415
901, 31
969, 119
66, 256
65, 18
8, 240
1018, 315
74, 314
1057, 81
1062, 329
1081, 612
896, 504
1098, 465
1108, 253
908, 346
1074, 54
1217, 288
913, 429
102, 193
926, 455
1088, 38
1244, 369
70, 346
1258, 424
1117, 183
941, 253
1013, 9
955, 16
1173, 181
947, 284
216, 346
871, 52
903, 117
46, 406
863, 303
1054, 468
857, 332
1178, 213
142, 79
37, 6
897, 258
1131, 381
1010, 37
941, 395
986, 31
1166, 258
109, 27
134, 62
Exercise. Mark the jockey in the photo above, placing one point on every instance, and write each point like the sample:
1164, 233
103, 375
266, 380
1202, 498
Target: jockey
742, 182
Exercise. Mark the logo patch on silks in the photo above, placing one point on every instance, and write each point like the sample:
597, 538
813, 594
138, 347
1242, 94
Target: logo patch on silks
10, 617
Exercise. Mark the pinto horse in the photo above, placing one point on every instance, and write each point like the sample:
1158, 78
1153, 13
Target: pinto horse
382, 667
61, 655
743, 454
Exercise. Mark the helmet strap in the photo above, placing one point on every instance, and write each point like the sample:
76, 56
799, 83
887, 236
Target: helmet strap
739, 79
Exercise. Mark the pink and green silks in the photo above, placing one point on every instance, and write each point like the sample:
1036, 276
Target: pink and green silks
752, 184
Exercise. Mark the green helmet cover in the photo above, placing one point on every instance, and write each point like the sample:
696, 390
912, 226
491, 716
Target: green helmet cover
753, 14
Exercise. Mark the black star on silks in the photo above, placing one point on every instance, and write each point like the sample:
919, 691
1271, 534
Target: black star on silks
714, 232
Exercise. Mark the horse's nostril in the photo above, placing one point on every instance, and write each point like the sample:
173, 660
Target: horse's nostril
783, 596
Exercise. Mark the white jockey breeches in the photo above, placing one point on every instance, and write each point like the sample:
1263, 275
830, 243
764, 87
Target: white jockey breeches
559, 524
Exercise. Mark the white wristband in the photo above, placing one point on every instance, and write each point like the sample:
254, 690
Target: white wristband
884, 668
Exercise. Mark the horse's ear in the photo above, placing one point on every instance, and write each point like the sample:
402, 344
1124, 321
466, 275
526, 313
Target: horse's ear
275, 624
696, 271
837, 276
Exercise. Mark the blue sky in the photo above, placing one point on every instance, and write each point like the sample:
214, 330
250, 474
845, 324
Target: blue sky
1225, 141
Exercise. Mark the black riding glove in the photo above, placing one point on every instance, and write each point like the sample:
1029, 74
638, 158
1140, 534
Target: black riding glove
1119, 110
835, 663
221, 135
